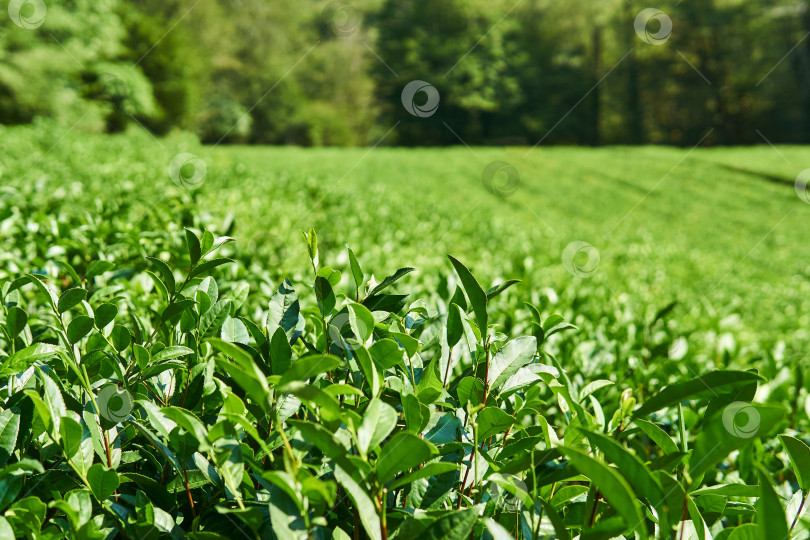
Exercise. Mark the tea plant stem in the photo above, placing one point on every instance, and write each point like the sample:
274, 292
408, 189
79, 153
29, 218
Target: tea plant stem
464, 482
799, 512
308, 345
154, 392
684, 515
82, 477
535, 523
383, 521
188, 491
185, 392
13, 342
486, 371
447, 369
592, 519
475, 457
109, 343
321, 310
277, 425
98, 412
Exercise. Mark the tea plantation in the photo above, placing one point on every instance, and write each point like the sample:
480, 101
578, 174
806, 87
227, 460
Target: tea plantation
463, 343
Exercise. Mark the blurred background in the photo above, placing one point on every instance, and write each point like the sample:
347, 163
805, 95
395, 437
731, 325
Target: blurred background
307, 72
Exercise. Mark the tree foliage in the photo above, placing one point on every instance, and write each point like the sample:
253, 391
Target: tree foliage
332, 72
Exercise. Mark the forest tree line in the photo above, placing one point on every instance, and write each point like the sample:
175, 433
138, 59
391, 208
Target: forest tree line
312, 72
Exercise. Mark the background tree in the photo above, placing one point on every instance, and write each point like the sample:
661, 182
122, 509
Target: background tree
331, 72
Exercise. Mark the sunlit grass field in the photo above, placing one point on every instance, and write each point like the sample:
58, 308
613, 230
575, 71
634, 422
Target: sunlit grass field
713, 229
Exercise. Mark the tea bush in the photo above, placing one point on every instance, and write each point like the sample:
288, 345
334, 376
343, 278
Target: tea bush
175, 410
162, 380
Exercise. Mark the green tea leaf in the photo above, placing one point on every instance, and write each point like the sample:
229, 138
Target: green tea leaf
369, 369
430, 469
470, 390
9, 428
55, 404
739, 425
771, 517
79, 327
630, 466
695, 388
455, 329
320, 437
328, 406
454, 526
235, 331
429, 388
308, 367
312, 245
491, 421
71, 298
121, 338
16, 320
170, 353
194, 247
104, 315
499, 288
25, 358
378, 422
166, 274
242, 369
187, 421
283, 311
615, 489
76, 443
6, 531
658, 435
212, 320
280, 352
366, 510
477, 296
509, 359
386, 353
325, 295
96, 268
209, 265
390, 280
404, 451
103, 481
361, 321
413, 413
799, 454
357, 271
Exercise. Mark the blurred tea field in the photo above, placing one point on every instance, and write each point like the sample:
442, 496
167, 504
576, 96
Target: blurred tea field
721, 232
